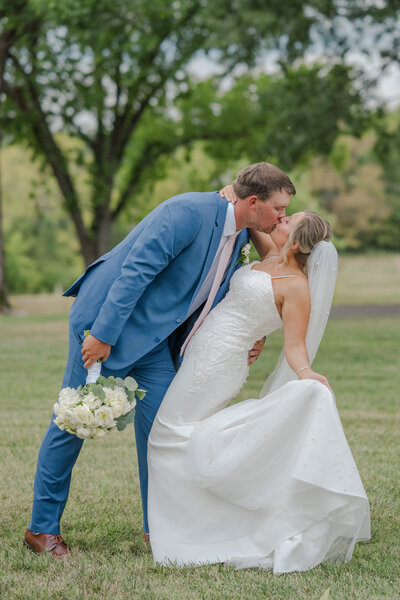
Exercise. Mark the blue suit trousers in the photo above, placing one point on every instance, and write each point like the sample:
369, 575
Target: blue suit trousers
59, 450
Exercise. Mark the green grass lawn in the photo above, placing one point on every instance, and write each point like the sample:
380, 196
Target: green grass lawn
362, 279
368, 279
102, 520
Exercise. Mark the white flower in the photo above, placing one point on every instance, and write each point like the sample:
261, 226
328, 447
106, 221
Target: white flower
77, 416
69, 397
69, 419
60, 423
246, 254
104, 417
91, 401
117, 400
83, 415
99, 433
58, 410
83, 433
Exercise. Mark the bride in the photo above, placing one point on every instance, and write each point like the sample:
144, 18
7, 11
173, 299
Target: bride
267, 482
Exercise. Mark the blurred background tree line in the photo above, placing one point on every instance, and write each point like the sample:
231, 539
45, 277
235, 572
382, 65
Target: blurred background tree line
108, 107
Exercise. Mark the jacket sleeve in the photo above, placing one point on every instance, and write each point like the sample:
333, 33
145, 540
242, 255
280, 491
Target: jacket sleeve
166, 236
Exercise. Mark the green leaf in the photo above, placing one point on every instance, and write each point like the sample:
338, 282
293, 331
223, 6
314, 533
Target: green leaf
130, 383
130, 395
86, 332
119, 381
109, 383
101, 380
98, 391
140, 394
123, 421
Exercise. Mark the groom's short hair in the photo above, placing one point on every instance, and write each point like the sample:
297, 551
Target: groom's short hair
262, 180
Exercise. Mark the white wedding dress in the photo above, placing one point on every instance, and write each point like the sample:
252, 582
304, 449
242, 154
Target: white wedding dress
268, 482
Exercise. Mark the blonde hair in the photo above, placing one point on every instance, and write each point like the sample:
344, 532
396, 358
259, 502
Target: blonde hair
310, 230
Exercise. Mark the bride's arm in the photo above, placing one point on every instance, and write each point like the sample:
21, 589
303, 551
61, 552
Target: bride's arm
295, 314
263, 243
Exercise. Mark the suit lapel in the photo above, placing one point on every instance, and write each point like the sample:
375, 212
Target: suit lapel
241, 238
214, 243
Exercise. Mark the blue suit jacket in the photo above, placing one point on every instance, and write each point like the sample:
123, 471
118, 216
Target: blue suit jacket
137, 294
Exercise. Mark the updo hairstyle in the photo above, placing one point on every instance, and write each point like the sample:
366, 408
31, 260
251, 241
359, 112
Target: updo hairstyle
307, 233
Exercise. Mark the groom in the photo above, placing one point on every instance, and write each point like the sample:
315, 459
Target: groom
140, 301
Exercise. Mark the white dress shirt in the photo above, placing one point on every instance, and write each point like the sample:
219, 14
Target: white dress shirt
229, 229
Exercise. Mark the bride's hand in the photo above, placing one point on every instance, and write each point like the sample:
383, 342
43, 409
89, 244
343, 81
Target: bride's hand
256, 350
228, 193
310, 374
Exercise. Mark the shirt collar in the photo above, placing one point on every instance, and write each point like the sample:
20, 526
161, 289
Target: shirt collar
230, 221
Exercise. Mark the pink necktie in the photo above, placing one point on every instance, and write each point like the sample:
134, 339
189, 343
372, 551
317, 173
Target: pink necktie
222, 264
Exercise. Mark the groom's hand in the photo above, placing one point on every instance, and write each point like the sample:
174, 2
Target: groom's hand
93, 349
256, 350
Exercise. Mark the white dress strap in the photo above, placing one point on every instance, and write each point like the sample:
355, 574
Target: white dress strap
282, 276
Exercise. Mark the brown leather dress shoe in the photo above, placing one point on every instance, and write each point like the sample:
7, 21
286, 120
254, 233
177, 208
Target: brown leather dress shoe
46, 542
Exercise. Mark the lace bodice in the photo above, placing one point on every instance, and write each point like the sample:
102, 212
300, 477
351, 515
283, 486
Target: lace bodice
246, 314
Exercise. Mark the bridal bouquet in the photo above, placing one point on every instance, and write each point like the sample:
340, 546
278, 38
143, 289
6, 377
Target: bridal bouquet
97, 408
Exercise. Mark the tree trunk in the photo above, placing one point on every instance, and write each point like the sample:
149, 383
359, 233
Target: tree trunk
102, 229
4, 302
88, 249
5, 305
95, 243
6, 39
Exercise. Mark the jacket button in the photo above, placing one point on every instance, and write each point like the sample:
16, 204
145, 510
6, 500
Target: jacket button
156, 340
179, 320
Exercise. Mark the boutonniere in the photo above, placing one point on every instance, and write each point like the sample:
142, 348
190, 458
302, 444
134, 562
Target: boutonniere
244, 255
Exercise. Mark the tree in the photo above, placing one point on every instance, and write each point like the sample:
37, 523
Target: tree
7, 38
349, 187
116, 75
4, 301
387, 151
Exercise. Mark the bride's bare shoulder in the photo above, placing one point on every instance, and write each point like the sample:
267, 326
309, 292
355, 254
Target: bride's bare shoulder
297, 288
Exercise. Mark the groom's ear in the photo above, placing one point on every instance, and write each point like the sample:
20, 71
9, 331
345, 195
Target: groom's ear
252, 201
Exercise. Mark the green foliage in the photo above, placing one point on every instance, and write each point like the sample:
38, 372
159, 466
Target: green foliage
140, 394
284, 118
123, 421
42, 252
352, 188
41, 249
117, 75
130, 383
97, 390
37, 257
387, 150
